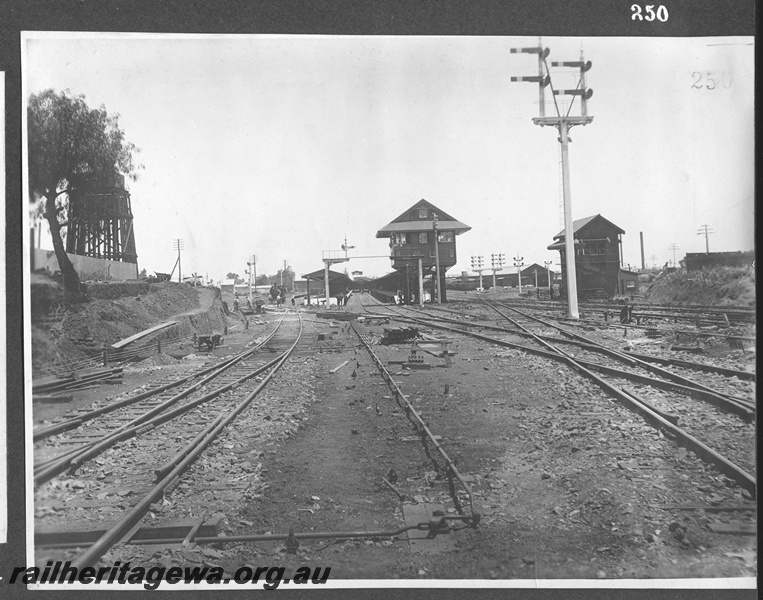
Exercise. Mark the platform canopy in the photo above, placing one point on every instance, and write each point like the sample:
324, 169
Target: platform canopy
407, 223
334, 278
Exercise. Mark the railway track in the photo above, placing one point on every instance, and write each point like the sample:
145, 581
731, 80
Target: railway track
731, 324
172, 433
115, 481
94, 431
450, 471
728, 441
474, 443
707, 315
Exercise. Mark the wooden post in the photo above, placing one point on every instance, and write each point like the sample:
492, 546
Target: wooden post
421, 283
326, 282
158, 346
105, 357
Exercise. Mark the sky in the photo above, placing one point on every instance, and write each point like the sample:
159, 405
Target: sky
282, 145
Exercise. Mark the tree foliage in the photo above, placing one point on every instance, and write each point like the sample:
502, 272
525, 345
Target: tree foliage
66, 137
235, 277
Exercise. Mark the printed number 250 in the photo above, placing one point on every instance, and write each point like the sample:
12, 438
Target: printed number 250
661, 14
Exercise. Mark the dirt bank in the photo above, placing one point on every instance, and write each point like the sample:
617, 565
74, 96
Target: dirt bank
721, 286
63, 332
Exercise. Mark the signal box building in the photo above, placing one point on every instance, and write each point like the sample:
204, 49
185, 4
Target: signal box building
598, 248
418, 238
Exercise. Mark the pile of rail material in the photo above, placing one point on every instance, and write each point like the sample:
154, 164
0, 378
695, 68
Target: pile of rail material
54, 388
337, 315
399, 335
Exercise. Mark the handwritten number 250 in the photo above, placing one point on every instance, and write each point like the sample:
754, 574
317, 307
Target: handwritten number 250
711, 82
660, 15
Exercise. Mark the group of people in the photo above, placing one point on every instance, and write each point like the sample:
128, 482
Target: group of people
277, 294
256, 305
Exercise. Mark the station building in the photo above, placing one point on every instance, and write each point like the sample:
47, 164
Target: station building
416, 238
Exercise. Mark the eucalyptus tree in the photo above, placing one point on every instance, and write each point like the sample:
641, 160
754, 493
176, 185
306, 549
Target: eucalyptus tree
67, 138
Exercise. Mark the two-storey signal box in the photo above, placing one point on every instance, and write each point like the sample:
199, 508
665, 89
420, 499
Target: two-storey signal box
419, 238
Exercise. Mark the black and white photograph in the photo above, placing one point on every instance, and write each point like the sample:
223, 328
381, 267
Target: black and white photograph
326, 311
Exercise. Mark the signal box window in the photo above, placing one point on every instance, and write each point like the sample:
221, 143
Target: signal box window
423, 213
446, 236
590, 248
400, 239
423, 237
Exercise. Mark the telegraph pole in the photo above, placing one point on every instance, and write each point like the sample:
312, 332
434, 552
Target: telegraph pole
438, 295
178, 245
563, 122
497, 261
519, 264
674, 247
706, 231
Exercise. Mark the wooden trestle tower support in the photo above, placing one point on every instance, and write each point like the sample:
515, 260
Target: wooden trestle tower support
100, 223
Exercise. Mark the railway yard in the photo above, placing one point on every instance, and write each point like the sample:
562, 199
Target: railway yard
488, 438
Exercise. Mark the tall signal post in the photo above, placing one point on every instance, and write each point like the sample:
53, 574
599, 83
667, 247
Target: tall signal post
282, 270
331, 257
477, 265
563, 122
519, 263
706, 231
547, 264
497, 261
252, 264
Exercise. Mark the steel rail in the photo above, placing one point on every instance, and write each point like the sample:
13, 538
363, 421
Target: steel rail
582, 321
743, 311
72, 461
687, 332
738, 406
669, 375
633, 403
75, 422
420, 425
695, 366
136, 514
435, 526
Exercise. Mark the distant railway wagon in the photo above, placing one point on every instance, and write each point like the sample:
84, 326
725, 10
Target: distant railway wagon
694, 261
